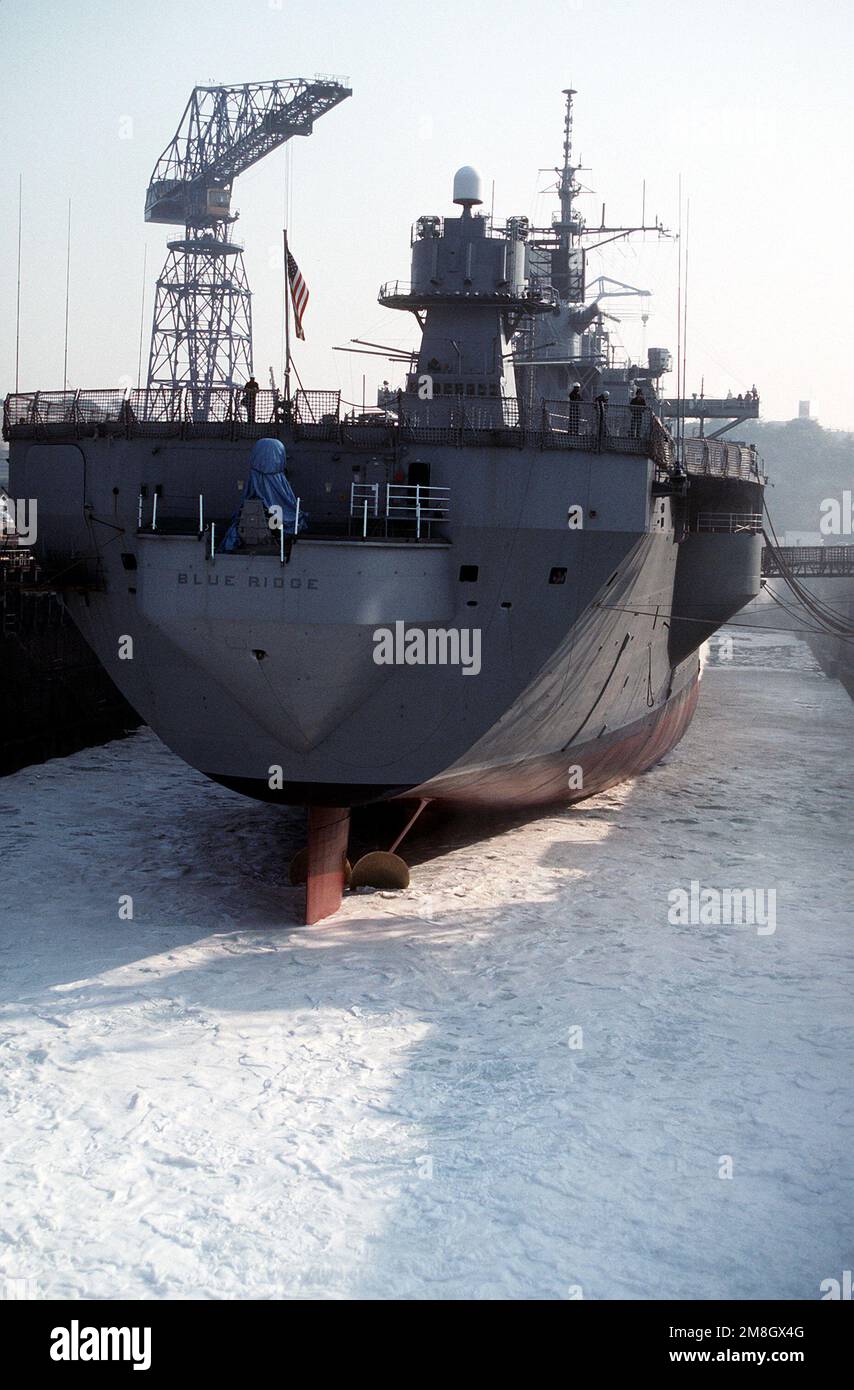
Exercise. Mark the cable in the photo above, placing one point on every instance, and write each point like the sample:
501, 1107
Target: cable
775, 598
815, 606
829, 619
683, 618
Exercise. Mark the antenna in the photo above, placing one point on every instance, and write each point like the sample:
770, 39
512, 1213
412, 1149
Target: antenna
567, 188
18, 304
679, 392
141, 318
67, 297
685, 315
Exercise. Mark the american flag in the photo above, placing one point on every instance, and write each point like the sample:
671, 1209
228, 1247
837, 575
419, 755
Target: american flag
299, 293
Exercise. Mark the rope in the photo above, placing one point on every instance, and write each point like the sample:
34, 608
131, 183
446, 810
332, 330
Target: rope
683, 618
830, 620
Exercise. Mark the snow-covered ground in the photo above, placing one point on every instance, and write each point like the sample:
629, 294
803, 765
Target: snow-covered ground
211, 1101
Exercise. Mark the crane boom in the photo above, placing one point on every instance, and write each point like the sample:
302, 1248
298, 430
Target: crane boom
225, 130
201, 334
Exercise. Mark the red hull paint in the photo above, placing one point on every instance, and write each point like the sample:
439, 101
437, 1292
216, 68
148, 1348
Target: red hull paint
604, 762
328, 832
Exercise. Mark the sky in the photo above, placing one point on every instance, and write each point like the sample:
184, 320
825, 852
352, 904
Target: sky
749, 104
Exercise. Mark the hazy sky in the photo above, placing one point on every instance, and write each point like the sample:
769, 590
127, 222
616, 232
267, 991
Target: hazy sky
751, 103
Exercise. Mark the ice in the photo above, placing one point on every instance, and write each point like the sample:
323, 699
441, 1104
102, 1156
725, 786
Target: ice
212, 1101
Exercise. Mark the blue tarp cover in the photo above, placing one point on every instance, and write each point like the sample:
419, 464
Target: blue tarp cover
267, 482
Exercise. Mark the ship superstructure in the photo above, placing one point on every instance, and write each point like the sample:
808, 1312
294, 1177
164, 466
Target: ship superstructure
574, 346
564, 541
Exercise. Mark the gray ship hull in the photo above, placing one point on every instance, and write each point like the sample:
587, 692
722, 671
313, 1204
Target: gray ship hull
834, 654
262, 674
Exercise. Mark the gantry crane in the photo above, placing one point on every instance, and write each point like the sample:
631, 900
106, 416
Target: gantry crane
202, 331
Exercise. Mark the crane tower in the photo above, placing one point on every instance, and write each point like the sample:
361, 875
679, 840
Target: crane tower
202, 331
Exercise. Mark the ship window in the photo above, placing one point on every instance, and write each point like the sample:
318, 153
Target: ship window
468, 574
128, 560
470, 388
557, 575
481, 388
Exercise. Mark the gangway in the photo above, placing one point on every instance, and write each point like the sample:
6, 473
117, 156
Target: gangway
808, 561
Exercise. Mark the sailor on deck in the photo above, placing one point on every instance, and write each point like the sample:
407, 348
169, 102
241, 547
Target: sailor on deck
574, 408
250, 391
638, 407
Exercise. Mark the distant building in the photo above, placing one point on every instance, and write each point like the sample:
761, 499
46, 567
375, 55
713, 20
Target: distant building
804, 410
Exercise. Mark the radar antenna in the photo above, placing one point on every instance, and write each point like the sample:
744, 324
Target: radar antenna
568, 186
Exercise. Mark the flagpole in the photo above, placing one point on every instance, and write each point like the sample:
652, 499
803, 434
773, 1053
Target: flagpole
287, 321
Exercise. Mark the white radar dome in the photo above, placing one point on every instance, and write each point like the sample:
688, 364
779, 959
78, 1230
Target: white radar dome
467, 186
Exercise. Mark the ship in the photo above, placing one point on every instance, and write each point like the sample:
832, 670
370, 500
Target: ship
55, 696
833, 652
490, 591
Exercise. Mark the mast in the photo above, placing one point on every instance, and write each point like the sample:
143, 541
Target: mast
557, 352
567, 269
568, 187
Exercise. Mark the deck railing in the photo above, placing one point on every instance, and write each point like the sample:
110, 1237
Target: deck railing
317, 415
176, 514
394, 507
458, 421
719, 458
186, 515
730, 522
